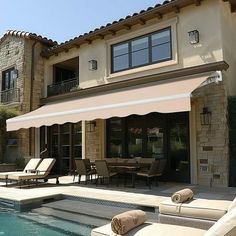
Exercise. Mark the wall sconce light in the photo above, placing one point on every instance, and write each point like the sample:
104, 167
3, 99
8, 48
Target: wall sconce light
90, 125
193, 36
93, 65
205, 116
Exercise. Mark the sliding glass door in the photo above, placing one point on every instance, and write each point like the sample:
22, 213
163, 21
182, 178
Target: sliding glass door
153, 136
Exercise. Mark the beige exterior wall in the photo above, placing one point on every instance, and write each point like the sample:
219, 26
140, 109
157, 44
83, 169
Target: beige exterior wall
228, 34
205, 18
209, 144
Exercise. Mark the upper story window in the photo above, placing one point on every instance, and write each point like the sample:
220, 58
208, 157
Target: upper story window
141, 51
65, 77
9, 79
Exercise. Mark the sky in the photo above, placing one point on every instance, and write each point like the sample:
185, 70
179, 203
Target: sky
62, 20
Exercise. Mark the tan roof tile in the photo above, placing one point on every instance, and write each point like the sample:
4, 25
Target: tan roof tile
28, 35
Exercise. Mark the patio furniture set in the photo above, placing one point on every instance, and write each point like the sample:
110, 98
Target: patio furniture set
108, 168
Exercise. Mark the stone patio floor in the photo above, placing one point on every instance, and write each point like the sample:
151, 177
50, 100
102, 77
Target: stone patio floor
141, 194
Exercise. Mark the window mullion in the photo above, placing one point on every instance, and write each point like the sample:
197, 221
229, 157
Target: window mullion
130, 54
150, 48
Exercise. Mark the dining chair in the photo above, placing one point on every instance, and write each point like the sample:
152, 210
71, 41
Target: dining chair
82, 169
156, 170
103, 171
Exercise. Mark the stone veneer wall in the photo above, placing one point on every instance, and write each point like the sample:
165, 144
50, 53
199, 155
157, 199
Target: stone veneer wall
94, 142
17, 52
212, 140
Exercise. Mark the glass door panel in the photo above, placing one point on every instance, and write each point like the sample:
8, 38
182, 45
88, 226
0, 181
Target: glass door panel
65, 147
77, 140
54, 146
179, 162
115, 137
155, 142
135, 136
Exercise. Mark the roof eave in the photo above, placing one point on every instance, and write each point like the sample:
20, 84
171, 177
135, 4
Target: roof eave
112, 28
183, 72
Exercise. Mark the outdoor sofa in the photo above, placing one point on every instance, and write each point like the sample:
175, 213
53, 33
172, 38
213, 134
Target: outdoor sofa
41, 172
225, 226
202, 213
30, 166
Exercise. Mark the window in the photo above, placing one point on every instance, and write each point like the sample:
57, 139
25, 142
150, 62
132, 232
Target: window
9, 79
149, 49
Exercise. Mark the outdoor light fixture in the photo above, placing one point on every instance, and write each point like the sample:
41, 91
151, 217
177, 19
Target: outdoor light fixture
193, 36
91, 126
93, 65
205, 116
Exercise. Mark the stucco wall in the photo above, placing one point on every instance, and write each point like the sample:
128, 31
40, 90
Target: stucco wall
205, 18
210, 19
228, 34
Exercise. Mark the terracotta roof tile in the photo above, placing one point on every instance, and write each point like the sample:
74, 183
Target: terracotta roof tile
143, 15
28, 35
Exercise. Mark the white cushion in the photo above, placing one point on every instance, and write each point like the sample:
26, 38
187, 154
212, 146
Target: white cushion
232, 205
225, 226
45, 165
196, 208
32, 164
151, 229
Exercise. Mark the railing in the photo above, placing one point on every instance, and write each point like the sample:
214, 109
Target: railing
10, 95
63, 87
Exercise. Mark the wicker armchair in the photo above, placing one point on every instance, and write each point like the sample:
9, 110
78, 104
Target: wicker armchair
156, 170
82, 168
103, 171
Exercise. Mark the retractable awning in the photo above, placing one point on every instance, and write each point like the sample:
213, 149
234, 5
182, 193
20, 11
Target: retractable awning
164, 96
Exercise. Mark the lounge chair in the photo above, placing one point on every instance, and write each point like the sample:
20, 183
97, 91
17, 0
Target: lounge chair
41, 172
30, 166
225, 226
202, 213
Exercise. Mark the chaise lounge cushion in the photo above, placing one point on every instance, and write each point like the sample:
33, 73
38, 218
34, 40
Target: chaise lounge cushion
232, 205
151, 229
225, 226
196, 208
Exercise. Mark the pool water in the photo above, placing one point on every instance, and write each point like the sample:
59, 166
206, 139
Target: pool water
12, 224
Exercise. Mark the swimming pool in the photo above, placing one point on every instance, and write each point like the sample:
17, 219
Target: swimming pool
17, 224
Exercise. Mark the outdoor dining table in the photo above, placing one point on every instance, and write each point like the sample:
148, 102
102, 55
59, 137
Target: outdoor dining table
128, 168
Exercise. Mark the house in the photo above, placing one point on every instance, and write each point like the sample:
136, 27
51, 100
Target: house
21, 76
154, 84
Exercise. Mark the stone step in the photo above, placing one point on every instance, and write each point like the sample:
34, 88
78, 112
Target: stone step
72, 217
102, 211
59, 225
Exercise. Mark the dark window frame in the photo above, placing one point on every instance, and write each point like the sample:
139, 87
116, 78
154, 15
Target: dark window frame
150, 47
166, 121
4, 73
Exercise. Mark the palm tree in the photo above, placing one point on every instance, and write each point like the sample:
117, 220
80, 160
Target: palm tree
5, 113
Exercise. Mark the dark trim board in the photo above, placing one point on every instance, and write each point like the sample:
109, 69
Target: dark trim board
111, 87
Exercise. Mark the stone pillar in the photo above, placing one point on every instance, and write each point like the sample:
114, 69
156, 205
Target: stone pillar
212, 140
